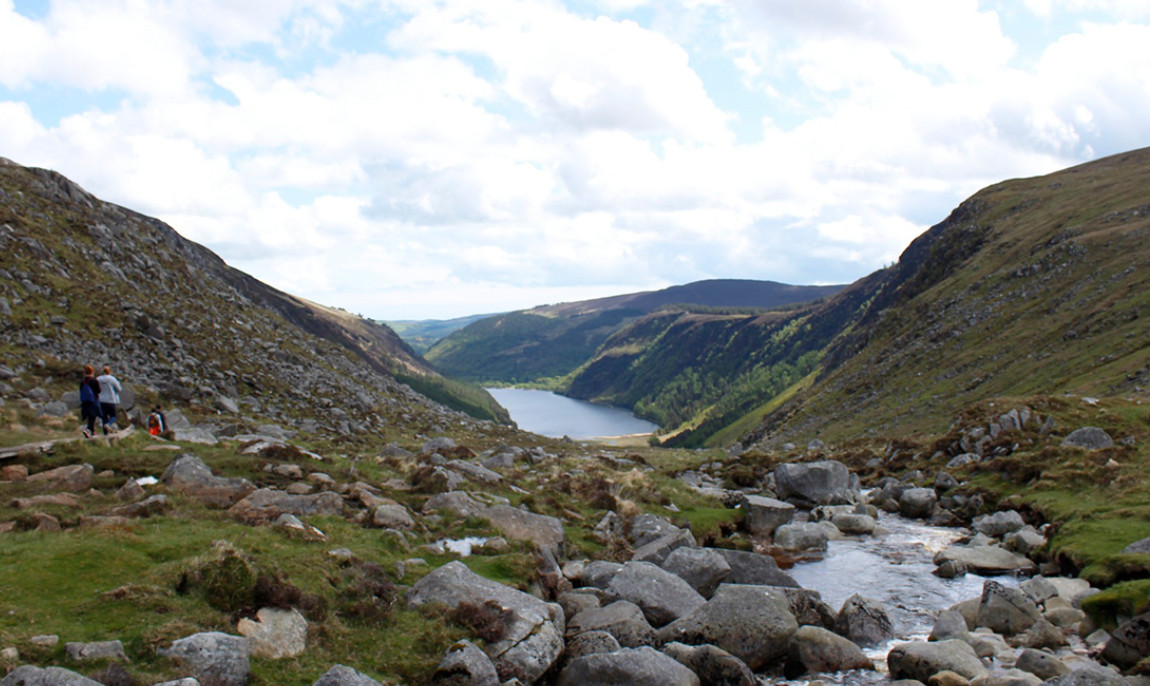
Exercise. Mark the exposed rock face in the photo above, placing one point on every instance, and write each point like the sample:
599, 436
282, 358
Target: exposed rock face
542, 530
215, 659
266, 505
662, 596
753, 623
814, 649
921, 661
639, 666
533, 639
189, 474
826, 482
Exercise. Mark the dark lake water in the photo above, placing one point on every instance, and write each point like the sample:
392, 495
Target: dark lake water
550, 414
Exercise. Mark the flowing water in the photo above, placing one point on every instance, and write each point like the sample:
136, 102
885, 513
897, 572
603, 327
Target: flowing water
554, 415
895, 570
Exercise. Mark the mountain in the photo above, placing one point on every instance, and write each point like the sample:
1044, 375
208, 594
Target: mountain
85, 281
550, 341
421, 334
1034, 286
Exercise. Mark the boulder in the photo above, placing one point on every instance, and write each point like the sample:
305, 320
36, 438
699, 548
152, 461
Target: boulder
703, 568
798, 537
826, 482
808, 607
1011, 677
474, 472
275, 633
986, 560
341, 675
662, 596
465, 665
1090, 438
29, 675
998, 524
588, 643
754, 569
1024, 541
189, 475
390, 516
753, 623
657, 551
621, 619
1041, 664
920, 660
99, 650
637, 666
950, 624
599, 573
456, 502
713, 665
814, 649
1089, 674
609, 530
763, 515
214, 658
864, 621
265, 505
152, 505
647, 527
74, 477
542, 530
917, 503
1129, 643
1004, 610
852, 524
533, 639
1043, 634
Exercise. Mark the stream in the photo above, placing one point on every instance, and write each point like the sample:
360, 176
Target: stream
894, 569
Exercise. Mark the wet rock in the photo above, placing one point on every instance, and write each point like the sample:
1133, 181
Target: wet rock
1006, 610
854, 524
864, 621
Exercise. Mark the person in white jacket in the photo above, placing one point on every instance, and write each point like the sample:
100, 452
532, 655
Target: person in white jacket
109, 397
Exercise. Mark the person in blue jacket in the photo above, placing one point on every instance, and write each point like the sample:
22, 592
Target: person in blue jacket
89, 400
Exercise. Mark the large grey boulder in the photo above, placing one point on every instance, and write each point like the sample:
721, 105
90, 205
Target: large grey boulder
864, 621
599, 573
1129, 643
647, 527
275, 633
917, 503
73, 477
465, 665
542, 530
622, 619
30, 675
814, 650
799, 537
1089, 674
533, 639
457, 502
987, 560
950, 624
998, 524
808, 607
763, 515
826, 482
1041, 664
920, 660
589, 643
1090, 438
753, 623
703, 568
852, 524
188, 474
637, 666
1006, 610
341, 675
266, 505
662, 596
713, 665
755, 569
214, 658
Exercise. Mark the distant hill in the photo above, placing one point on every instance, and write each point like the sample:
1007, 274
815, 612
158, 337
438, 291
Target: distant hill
548, 342
423, 333
85, 281
1034, 286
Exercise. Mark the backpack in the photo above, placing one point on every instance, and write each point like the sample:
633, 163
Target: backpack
154, 424
86, 393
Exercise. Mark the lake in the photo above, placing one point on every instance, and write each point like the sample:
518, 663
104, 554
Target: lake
551, 414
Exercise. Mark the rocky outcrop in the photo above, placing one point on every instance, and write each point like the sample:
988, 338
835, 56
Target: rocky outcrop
825, 482
753, 623
214, 658
188, 474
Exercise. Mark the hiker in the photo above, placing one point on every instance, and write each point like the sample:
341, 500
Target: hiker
109, 397
156, 424
89, 400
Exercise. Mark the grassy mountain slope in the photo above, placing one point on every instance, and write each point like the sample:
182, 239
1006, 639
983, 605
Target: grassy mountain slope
1033, 286
88, 281
551, 341
423, 333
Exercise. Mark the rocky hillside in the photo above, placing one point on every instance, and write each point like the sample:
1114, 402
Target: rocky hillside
547, 342
85, 281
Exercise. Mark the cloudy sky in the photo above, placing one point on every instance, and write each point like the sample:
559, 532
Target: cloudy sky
436, 158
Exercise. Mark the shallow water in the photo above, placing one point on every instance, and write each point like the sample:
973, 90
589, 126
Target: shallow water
894, 569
